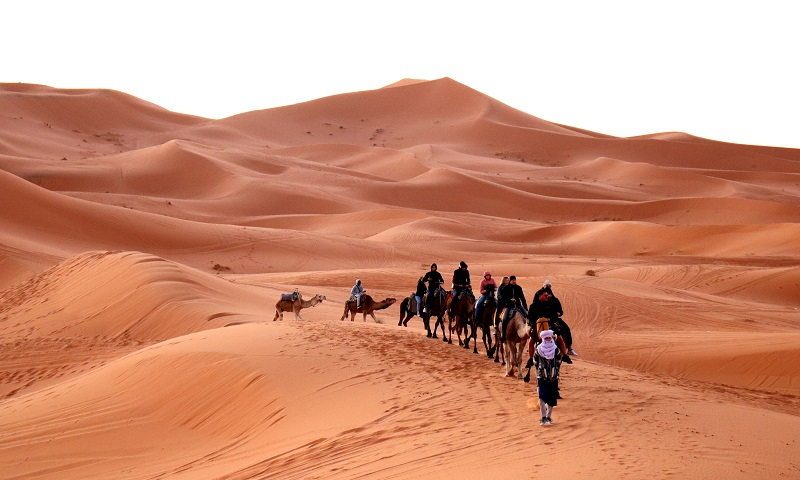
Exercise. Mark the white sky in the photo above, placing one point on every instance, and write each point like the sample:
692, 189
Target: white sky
722, 70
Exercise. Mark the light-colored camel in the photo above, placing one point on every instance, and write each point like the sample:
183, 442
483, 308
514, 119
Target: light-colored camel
296, 305
517, 335
367, 307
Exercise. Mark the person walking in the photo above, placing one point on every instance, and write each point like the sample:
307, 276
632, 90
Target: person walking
547, 360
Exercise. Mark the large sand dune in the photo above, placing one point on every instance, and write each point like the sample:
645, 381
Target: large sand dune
142, 252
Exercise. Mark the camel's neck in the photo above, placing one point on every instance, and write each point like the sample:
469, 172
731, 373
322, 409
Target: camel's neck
309, 303
381, 305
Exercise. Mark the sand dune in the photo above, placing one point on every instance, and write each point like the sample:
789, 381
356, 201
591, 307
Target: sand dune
40, 221
142, 252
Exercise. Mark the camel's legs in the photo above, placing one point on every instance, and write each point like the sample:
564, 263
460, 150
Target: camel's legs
508, 358
518, 359
450, 329
426, 321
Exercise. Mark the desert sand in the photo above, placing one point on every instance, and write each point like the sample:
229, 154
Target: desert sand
142, 252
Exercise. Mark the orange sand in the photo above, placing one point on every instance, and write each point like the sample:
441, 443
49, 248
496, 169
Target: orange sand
142, 251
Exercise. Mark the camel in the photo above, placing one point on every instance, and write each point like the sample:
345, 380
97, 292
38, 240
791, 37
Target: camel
517, 335
436, 306
499, 354
286, 304
408, 310
485, 323
368, 306
460, 315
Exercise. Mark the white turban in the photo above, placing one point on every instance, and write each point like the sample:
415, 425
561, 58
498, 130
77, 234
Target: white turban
547, 349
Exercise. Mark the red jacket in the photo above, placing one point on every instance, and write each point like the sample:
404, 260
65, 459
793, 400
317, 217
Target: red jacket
485, 282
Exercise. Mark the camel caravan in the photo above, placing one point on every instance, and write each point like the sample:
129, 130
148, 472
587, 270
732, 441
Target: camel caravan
507, 323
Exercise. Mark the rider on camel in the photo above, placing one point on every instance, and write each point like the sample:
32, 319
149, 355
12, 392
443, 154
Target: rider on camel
499, 298
488, 286
546, 304
357, 291
461, 283
513, 298
419, 294
434, 280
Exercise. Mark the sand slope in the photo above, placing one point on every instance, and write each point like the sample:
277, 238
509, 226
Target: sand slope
142, 252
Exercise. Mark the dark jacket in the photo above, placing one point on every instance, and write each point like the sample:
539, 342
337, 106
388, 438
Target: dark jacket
420, 288
499, 294
434, 278
550, 309
461, 276
509, 293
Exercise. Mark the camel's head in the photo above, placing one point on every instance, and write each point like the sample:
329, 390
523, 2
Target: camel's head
390, 301
321, 297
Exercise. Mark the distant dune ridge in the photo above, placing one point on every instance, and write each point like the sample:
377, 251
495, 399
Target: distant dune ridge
142, 252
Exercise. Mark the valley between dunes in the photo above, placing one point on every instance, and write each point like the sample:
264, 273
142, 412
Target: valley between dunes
142, 252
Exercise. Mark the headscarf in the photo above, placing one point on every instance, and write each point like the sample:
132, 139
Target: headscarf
547, 349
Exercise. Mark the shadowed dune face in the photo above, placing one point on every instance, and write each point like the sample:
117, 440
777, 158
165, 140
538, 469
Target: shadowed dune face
142, 252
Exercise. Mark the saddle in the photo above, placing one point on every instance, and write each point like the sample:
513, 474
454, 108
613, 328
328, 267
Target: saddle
466, 290
290, 297
439, 291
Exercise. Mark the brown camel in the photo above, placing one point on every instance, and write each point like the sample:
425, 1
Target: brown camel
296, 305
408, 309
485, 323
517, 335
499, 354
436, 306
460, 315
368, 306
